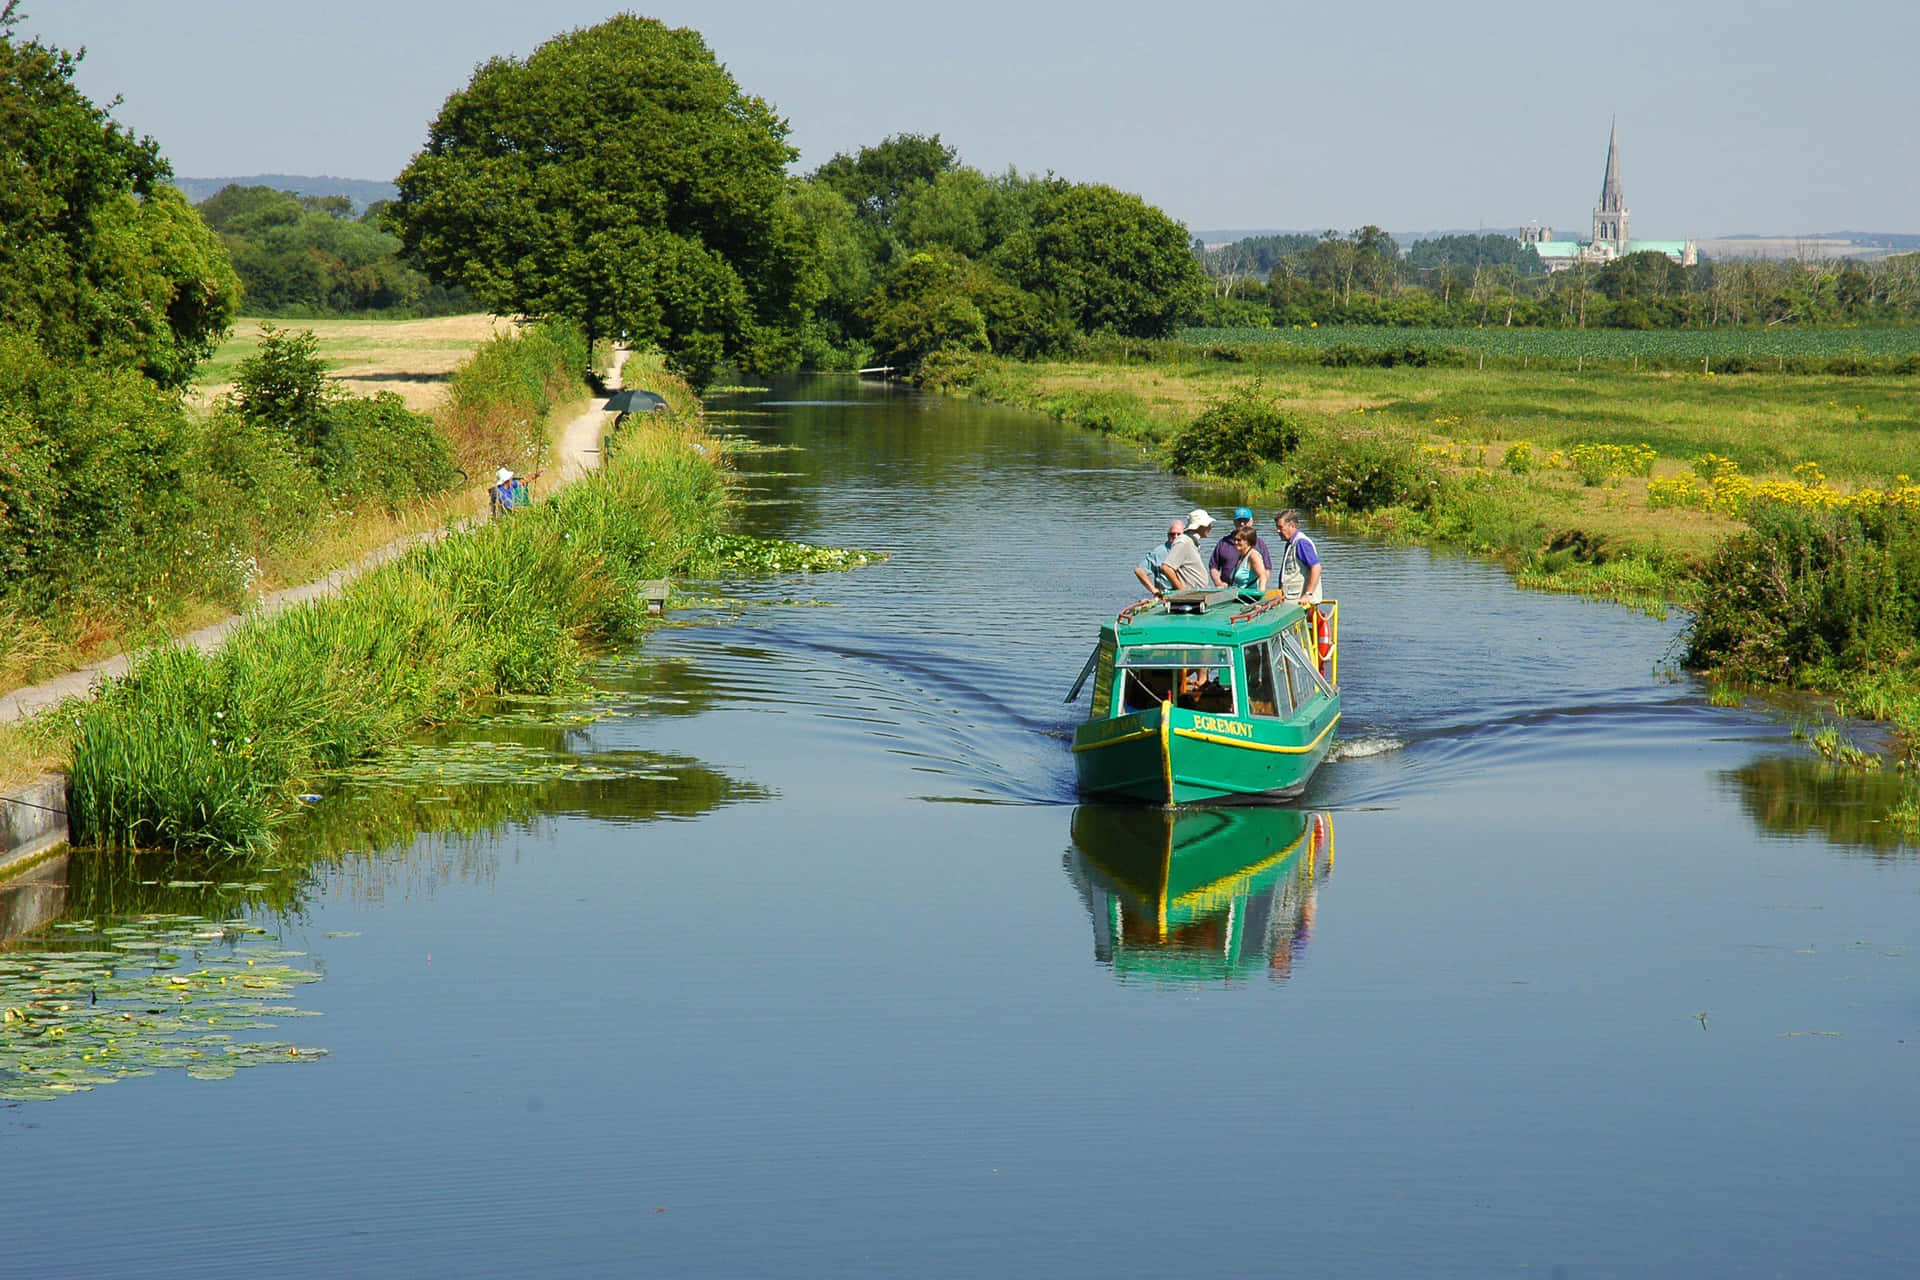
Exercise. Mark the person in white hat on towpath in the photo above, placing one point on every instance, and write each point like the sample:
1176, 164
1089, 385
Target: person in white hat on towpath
500, 496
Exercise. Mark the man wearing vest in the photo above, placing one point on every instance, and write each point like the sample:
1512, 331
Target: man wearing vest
1299, 567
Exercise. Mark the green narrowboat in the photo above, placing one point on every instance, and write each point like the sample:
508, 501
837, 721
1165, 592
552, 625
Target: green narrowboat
1199, 894
1205, 697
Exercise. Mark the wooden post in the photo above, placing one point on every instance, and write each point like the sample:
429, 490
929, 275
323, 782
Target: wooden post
655, 593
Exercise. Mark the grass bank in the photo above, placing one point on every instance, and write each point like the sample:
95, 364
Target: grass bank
1641, 487
196, 751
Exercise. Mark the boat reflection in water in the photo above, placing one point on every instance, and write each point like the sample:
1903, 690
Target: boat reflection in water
1199, 895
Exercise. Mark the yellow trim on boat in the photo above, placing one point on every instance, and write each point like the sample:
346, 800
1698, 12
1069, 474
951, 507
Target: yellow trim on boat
1259, 746
1166, 746
1114, 742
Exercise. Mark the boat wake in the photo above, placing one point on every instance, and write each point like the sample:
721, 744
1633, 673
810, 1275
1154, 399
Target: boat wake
1362, 748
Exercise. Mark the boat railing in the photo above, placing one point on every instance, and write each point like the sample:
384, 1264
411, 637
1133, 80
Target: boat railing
1326, 627
1326, 630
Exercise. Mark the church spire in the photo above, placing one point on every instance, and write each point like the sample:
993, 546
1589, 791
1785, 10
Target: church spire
1610, 216
1610, 198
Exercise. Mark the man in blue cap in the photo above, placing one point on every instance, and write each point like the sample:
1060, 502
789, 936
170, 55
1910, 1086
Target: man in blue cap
1226, 556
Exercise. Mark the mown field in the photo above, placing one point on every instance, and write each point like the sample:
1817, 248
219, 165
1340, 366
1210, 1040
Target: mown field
1624, 345
414, 358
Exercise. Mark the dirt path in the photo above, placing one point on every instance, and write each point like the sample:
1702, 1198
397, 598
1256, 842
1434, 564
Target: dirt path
577, 453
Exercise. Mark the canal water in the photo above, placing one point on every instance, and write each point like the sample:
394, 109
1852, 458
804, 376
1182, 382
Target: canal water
795, 955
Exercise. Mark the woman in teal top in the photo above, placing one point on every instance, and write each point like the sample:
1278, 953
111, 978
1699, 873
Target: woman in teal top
1250, 575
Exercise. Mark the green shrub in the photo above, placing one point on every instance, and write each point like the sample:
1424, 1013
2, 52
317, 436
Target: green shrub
1233, 437
375, 447
92, 490
1118, 413
1810, 597
284, 384
253, 484
369, 447
1359, 470
949, 369
1347, 355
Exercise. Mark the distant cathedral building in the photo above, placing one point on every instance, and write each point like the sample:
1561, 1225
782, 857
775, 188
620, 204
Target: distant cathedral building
1611, 220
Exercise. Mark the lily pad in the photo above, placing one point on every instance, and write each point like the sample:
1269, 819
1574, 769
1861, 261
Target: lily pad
77, 1019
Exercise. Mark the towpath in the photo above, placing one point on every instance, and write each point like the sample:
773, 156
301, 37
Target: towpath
577, 453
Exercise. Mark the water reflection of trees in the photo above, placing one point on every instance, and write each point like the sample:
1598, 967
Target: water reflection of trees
1793, 796
425, 815
1199, 895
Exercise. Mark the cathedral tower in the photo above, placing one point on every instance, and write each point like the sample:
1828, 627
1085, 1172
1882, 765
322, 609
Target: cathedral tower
1611, 216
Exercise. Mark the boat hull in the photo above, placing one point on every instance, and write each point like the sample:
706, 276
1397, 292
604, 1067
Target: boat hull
1170, 756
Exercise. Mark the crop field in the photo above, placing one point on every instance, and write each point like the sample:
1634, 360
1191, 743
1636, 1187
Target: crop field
1662, 345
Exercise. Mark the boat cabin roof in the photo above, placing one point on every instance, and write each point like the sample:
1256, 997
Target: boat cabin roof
1224, 619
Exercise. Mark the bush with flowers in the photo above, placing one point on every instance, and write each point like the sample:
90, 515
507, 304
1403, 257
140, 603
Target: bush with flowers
1717, 485
1599, 463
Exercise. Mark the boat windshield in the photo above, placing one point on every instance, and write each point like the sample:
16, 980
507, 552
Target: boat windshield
1194, 677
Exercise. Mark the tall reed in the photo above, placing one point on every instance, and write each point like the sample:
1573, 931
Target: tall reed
497, 402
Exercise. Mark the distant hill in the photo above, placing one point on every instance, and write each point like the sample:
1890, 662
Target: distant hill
359, 190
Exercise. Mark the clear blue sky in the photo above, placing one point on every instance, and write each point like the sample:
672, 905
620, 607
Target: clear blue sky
1750, 116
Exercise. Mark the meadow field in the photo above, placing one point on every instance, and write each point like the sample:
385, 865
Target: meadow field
414, 358
1863, 430
1784, 349
1862, 433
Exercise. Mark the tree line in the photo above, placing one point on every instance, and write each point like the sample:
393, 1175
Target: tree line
620, 177
1464, 281
312, 256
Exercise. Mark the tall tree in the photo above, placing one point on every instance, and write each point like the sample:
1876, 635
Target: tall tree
1114, 262
99, 257
878, 178
619, 177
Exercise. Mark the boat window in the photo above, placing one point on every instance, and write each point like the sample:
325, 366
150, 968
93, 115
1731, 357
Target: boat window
1103, 681
1192, 686
1263, 698
1302, 674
